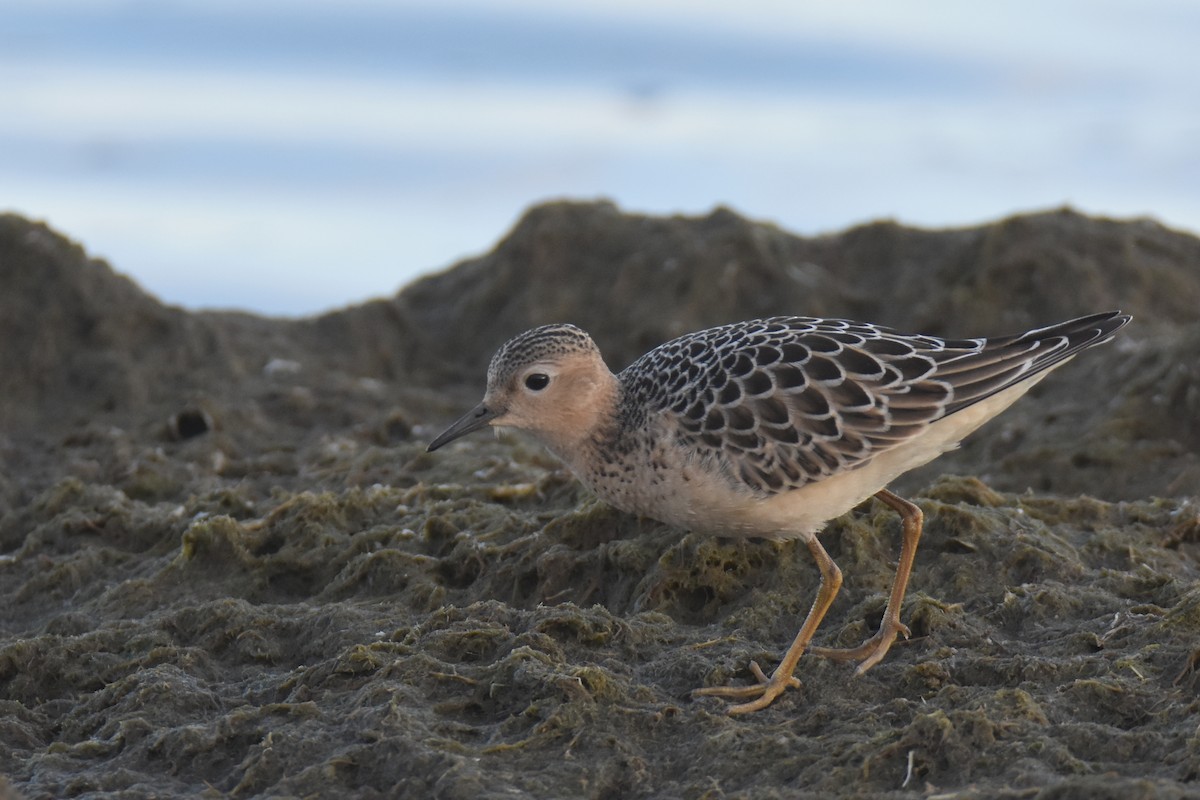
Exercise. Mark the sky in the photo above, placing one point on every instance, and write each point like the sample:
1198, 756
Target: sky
292, 157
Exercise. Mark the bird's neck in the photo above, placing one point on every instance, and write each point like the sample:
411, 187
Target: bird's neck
590, 426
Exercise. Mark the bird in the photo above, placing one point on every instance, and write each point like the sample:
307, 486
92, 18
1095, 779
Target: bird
769, 428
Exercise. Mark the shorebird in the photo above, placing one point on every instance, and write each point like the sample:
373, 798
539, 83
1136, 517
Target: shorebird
769, 428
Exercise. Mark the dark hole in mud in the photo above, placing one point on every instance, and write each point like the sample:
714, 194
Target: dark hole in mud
189, 423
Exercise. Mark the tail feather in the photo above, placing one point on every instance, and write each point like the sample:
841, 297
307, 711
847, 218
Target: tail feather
1006, 360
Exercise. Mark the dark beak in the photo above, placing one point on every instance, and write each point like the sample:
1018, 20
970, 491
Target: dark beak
473, 420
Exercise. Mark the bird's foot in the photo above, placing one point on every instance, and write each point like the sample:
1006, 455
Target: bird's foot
870, 652
764, 692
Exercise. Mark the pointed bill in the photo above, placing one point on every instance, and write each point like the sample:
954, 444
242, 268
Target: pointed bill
473, 420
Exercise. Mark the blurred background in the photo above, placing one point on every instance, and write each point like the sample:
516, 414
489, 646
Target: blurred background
292, 156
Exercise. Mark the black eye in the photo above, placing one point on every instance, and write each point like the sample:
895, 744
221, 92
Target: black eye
537, 381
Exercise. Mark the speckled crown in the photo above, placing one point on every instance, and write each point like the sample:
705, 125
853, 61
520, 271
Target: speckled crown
546, 342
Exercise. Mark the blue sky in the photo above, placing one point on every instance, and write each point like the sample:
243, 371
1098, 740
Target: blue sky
292, 157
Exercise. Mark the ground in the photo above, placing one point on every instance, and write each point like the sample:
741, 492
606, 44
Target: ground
228, 567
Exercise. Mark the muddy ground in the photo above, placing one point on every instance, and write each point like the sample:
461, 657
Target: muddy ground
228, 567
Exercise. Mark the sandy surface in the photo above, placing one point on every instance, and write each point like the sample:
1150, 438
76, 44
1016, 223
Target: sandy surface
228, 567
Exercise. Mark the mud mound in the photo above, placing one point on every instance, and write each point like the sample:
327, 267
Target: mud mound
228, 567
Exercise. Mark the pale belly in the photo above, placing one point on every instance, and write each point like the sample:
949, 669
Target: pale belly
670, 485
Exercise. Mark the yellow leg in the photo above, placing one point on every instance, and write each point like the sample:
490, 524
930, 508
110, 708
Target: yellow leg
872, 651
767, 689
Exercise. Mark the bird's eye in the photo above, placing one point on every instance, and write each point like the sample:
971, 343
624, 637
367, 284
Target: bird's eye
537, 381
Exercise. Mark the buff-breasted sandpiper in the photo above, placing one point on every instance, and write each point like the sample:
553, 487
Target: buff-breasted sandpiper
769, 428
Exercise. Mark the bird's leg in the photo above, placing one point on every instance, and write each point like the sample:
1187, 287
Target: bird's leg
767, 689
872, 651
